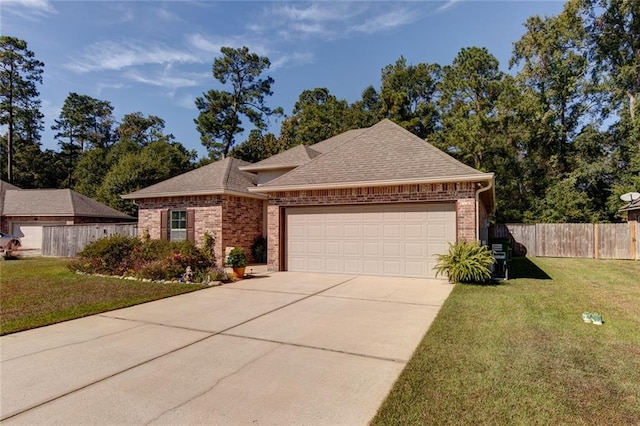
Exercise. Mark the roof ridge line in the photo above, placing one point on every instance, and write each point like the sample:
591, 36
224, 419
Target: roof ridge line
227, 173
71, 199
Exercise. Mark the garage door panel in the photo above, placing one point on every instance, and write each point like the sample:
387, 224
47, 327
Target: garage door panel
395, 240
352, 248
393, 230
414, 250
334, 231
315, 248
371, 249
414, 231
334, 248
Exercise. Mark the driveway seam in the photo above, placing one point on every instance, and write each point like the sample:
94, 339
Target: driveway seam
376, 300
299, 345
76, 343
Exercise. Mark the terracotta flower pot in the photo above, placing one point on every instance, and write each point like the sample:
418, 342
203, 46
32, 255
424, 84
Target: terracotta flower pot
239, 272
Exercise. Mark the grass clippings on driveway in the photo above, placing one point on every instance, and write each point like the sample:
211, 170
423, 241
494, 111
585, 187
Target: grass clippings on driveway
519, 352
40, 291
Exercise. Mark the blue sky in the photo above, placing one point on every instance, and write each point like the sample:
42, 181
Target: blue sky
156, 57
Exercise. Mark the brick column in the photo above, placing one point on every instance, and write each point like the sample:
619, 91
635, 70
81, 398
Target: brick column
467, 231
273, 238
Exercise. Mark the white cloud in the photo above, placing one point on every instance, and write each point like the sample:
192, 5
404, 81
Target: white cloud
110, 55
213, 44
28, 9
167, 81
447, 4
331, 20
296, 58
387, 21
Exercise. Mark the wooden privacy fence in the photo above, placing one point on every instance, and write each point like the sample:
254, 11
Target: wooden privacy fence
599, 241
68, 240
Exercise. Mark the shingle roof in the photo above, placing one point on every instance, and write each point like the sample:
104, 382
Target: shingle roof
56, 202
634, 205
215, 178
337, 140
302, 154
290, 158
384, 152
4, 186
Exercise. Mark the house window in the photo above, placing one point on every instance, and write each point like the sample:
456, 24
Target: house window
178, 225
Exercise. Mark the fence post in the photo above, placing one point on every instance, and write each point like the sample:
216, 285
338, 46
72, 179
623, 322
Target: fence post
632, 239
596, 241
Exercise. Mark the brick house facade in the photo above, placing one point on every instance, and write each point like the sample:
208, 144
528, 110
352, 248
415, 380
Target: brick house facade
380, 172
232, 221
462, 194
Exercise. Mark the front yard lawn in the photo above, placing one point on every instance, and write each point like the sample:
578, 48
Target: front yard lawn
519, 352
42, 291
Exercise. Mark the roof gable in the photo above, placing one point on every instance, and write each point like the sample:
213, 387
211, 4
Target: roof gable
215, 178
56, 202
384, 152
293, 157
4, 186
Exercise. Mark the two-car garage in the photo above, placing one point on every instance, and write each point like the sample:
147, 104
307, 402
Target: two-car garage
381, 239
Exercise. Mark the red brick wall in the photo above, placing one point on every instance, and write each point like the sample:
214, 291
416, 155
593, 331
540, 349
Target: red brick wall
208, 217
242, 222
463, 193
232, 221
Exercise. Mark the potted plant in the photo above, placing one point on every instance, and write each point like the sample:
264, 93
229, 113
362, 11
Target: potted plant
237, 260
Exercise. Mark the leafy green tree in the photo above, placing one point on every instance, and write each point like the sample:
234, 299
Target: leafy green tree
407, 96
368, 110
158, 161
84, 122
470, 90
20, 72
317, 115
613, 28
257, 147
221, 112
141, 130
554, 72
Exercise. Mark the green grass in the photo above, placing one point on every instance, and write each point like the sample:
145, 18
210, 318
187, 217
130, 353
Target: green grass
40, 291
519, 352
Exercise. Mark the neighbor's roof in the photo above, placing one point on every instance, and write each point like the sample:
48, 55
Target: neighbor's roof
634, 205
4, 186
379, 155
301, 154
56, 202
219, 177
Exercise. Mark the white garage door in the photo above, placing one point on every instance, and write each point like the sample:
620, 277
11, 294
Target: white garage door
31, 234
394, 240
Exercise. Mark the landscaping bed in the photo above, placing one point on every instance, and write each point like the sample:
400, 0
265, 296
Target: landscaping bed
520, 353
42, 291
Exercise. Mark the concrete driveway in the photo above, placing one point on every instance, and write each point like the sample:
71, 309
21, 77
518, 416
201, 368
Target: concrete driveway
284, 348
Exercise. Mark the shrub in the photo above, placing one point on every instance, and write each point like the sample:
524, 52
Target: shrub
152, 259
208, 247
237, 258
466, 263
259, 250
109, 255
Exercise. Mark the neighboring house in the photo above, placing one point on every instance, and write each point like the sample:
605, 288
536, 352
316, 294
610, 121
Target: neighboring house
23, 212
633, 210
377, 201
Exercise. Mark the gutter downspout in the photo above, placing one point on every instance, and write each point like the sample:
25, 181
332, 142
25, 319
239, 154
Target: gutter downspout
483, 189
